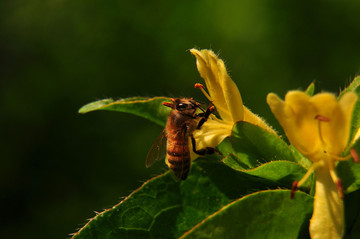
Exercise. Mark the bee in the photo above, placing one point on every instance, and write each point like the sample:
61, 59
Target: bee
181, 123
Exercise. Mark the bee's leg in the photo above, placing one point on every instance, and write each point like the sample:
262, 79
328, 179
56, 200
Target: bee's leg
207, 150
204, 116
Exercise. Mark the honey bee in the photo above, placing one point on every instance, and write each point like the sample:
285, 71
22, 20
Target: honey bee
181, 123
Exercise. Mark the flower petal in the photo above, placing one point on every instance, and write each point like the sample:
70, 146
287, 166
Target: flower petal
232, 95
335, 132
297, 117
347, 103
223, 91
254, 119
212, 133
328, 216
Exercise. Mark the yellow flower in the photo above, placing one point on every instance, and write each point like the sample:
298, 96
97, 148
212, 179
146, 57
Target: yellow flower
319, 127
224, 94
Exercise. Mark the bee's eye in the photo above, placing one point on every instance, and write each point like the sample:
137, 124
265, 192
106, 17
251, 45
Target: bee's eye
181, 106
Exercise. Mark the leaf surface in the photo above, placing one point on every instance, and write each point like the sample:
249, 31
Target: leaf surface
265, 214
310, 90
164, 208
254, 145
284, 173
349, 172
148, 108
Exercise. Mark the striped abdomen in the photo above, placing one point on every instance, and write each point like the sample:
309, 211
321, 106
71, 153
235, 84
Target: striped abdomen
178, 156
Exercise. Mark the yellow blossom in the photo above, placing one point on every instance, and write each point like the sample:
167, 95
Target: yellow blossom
224, 94
319, 127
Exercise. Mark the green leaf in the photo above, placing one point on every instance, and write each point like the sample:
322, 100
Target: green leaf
148, 108
254, 145
354, 85
355, 123
349, 172
235, 162
238, 159
284, 173
164, 208
310, 89
256, 152
266, 214
300, 159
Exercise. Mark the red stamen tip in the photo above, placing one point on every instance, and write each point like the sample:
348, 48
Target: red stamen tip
340, 188
322, 118
293, 189
173, 100
198, 86
354, 155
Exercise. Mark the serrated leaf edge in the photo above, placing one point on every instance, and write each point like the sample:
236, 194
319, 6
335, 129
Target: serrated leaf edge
121, 102
121, 202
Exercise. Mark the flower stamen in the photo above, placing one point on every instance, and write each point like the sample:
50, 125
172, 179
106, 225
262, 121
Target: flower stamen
294, 188
297, 184
320, 119
202, 88
338, 158
340, 188
336, 180
354, 155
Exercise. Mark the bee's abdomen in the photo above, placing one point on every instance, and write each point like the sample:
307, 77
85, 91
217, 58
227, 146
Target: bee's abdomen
178, 158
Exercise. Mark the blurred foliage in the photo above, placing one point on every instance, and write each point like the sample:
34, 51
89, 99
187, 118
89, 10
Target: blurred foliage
57, 166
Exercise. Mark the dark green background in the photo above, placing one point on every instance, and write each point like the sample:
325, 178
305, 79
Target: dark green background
58, 167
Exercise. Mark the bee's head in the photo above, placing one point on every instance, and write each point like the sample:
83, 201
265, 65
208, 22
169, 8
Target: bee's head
183, 105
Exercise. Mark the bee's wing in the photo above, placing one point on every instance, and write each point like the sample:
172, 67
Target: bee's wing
157, 151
